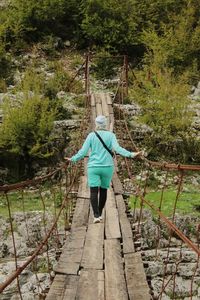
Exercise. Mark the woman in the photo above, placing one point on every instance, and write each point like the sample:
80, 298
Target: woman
100, 166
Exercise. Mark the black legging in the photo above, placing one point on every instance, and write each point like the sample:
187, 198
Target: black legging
98, 204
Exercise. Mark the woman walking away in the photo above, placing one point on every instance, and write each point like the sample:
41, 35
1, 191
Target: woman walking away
100, 166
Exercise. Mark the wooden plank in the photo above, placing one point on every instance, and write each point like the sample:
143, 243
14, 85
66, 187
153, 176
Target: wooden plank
120, 204
135, 277
117, 186
105, 109
99, 109
112, 122
91, 216
125, 226
128, 245
81, 213
91, 285
111, 112
93, 249
70, 259
98, 98
64, 287
111, 198
85, 165
115, 286
83, 190
93, 103
127, 235
93, 117
108, 99
112, 230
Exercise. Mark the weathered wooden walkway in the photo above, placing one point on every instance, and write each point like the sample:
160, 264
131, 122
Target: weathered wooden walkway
98, 261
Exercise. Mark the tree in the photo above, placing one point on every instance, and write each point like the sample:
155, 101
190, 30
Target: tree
111, 24
176, 45
27, 126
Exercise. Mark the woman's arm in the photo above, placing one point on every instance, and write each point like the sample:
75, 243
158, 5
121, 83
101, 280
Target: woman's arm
122, 151
82, 152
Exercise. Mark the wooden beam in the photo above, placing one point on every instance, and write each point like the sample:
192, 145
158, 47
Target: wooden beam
91, 285
93, 249
115, 285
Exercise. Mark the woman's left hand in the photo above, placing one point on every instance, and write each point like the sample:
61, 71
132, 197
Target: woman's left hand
67, 158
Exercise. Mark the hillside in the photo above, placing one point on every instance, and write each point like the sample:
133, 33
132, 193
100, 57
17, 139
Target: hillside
44, 44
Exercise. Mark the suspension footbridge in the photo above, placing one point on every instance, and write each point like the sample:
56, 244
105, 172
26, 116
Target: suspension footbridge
101, 261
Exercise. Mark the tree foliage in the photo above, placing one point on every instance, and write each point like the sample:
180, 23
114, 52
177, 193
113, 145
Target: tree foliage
27, 126
110, 24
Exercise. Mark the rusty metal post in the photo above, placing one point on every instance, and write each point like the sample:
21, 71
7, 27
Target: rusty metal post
126, 74
87, 85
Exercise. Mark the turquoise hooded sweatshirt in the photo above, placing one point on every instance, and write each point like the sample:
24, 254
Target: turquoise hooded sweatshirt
98, 155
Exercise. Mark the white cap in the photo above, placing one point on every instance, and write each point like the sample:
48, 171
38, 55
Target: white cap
100, 120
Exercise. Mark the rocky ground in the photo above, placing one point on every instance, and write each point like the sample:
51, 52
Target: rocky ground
164, 256
29, 230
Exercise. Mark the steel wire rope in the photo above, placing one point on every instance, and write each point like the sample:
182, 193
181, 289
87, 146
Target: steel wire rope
176, 270
197, 263
170, 233
25, 216
54, 211
14, 243
5, 189
19, 270
170, 167
160, 209
34, 268
44, 219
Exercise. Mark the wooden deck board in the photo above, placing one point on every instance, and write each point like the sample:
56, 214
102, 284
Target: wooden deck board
105, 109
120, 204
115, 286
91, 285
93, 266
93, 117
108, 99
112, 230
64, 287
125, 226
117, 186
93, 249
81, 213
135, 277
70, 259
93, 102
83, 191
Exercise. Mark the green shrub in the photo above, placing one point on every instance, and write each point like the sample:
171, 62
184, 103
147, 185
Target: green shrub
61, 81
104, 66
27, 126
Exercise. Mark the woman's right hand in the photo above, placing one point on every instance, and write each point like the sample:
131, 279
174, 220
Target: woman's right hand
139, 154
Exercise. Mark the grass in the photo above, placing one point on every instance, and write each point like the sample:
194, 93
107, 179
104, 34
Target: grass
188, 202
30, 202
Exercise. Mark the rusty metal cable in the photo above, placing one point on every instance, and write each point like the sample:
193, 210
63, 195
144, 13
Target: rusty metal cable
14, 244
198, 261
172, 227
44, 218
20, 269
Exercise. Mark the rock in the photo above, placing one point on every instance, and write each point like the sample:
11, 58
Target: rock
196, 91
32, 284
4, 3
130, 109
67, 124
67, 43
